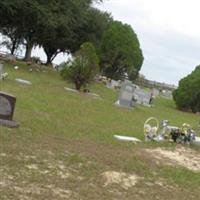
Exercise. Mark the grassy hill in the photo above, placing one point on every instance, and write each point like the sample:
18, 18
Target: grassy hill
64, 148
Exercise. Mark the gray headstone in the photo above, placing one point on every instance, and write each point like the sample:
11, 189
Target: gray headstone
167, 94
1, 69
155, 92
126, 95
142, 96
7, 106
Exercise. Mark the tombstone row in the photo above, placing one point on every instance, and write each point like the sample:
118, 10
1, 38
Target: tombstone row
131, 94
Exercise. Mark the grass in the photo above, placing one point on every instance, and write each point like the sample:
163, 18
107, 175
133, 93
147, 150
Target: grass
54, 121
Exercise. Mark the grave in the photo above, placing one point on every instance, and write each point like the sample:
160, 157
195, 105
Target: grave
22, 81
142, 97
167, 94
7, 106
155, 92
1, 69
2, 74
126, 95
112, 84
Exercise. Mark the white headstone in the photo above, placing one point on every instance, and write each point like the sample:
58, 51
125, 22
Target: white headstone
112, 84
23, 81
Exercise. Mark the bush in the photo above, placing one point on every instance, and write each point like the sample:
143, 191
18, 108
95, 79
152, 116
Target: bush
187, 96
82, 69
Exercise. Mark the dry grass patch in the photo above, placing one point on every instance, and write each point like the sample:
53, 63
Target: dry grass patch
126, 181
182, 156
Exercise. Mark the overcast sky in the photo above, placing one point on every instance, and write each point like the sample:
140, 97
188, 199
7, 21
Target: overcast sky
168, 31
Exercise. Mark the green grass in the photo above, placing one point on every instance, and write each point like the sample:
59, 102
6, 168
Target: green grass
53, 119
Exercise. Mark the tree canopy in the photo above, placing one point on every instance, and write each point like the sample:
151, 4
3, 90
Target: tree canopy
121, 54
57, 26
187, 96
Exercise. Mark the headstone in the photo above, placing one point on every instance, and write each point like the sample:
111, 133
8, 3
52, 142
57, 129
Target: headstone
7, 106
142, 97
112, 84
126, 95
2, 74
1, 70
167, 94
25, 82
155, 92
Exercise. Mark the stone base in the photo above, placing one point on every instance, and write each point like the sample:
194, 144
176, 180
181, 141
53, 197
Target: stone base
9, 124
122, 106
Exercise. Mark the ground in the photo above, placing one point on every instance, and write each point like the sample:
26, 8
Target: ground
64, 148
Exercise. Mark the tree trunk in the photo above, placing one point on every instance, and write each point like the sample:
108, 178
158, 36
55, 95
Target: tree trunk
13, 46
29, 47
48, 60
78, 85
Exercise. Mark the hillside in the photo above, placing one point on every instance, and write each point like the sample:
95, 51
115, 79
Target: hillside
64, 148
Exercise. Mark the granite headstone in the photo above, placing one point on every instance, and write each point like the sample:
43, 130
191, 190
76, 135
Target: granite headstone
7, 106
126, 95
142, 97
1, 70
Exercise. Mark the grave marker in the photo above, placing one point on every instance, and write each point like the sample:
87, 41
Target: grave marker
126, 95
142, 97
7, 106
2, 74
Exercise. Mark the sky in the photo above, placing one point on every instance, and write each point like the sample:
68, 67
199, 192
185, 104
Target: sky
168, 31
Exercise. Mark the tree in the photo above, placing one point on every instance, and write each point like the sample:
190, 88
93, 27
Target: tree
74, 28
60, 34
83, 68
187, 96
50, 24
21, 21
94, 25
12, 40
121, 55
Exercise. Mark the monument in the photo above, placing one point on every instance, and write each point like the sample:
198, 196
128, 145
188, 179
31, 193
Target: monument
2, 74
126, 95
142, 97
7, 106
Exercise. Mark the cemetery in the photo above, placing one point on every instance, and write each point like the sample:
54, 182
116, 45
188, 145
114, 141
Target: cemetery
97, 108
35, 115
47, 126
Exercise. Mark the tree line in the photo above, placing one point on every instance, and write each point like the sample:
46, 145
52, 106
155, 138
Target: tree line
64, 25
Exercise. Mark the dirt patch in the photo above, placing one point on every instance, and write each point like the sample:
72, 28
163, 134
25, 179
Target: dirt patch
32, 167
125, 180
182, 156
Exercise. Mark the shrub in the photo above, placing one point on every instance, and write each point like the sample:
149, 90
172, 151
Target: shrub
82, 69
187, 96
